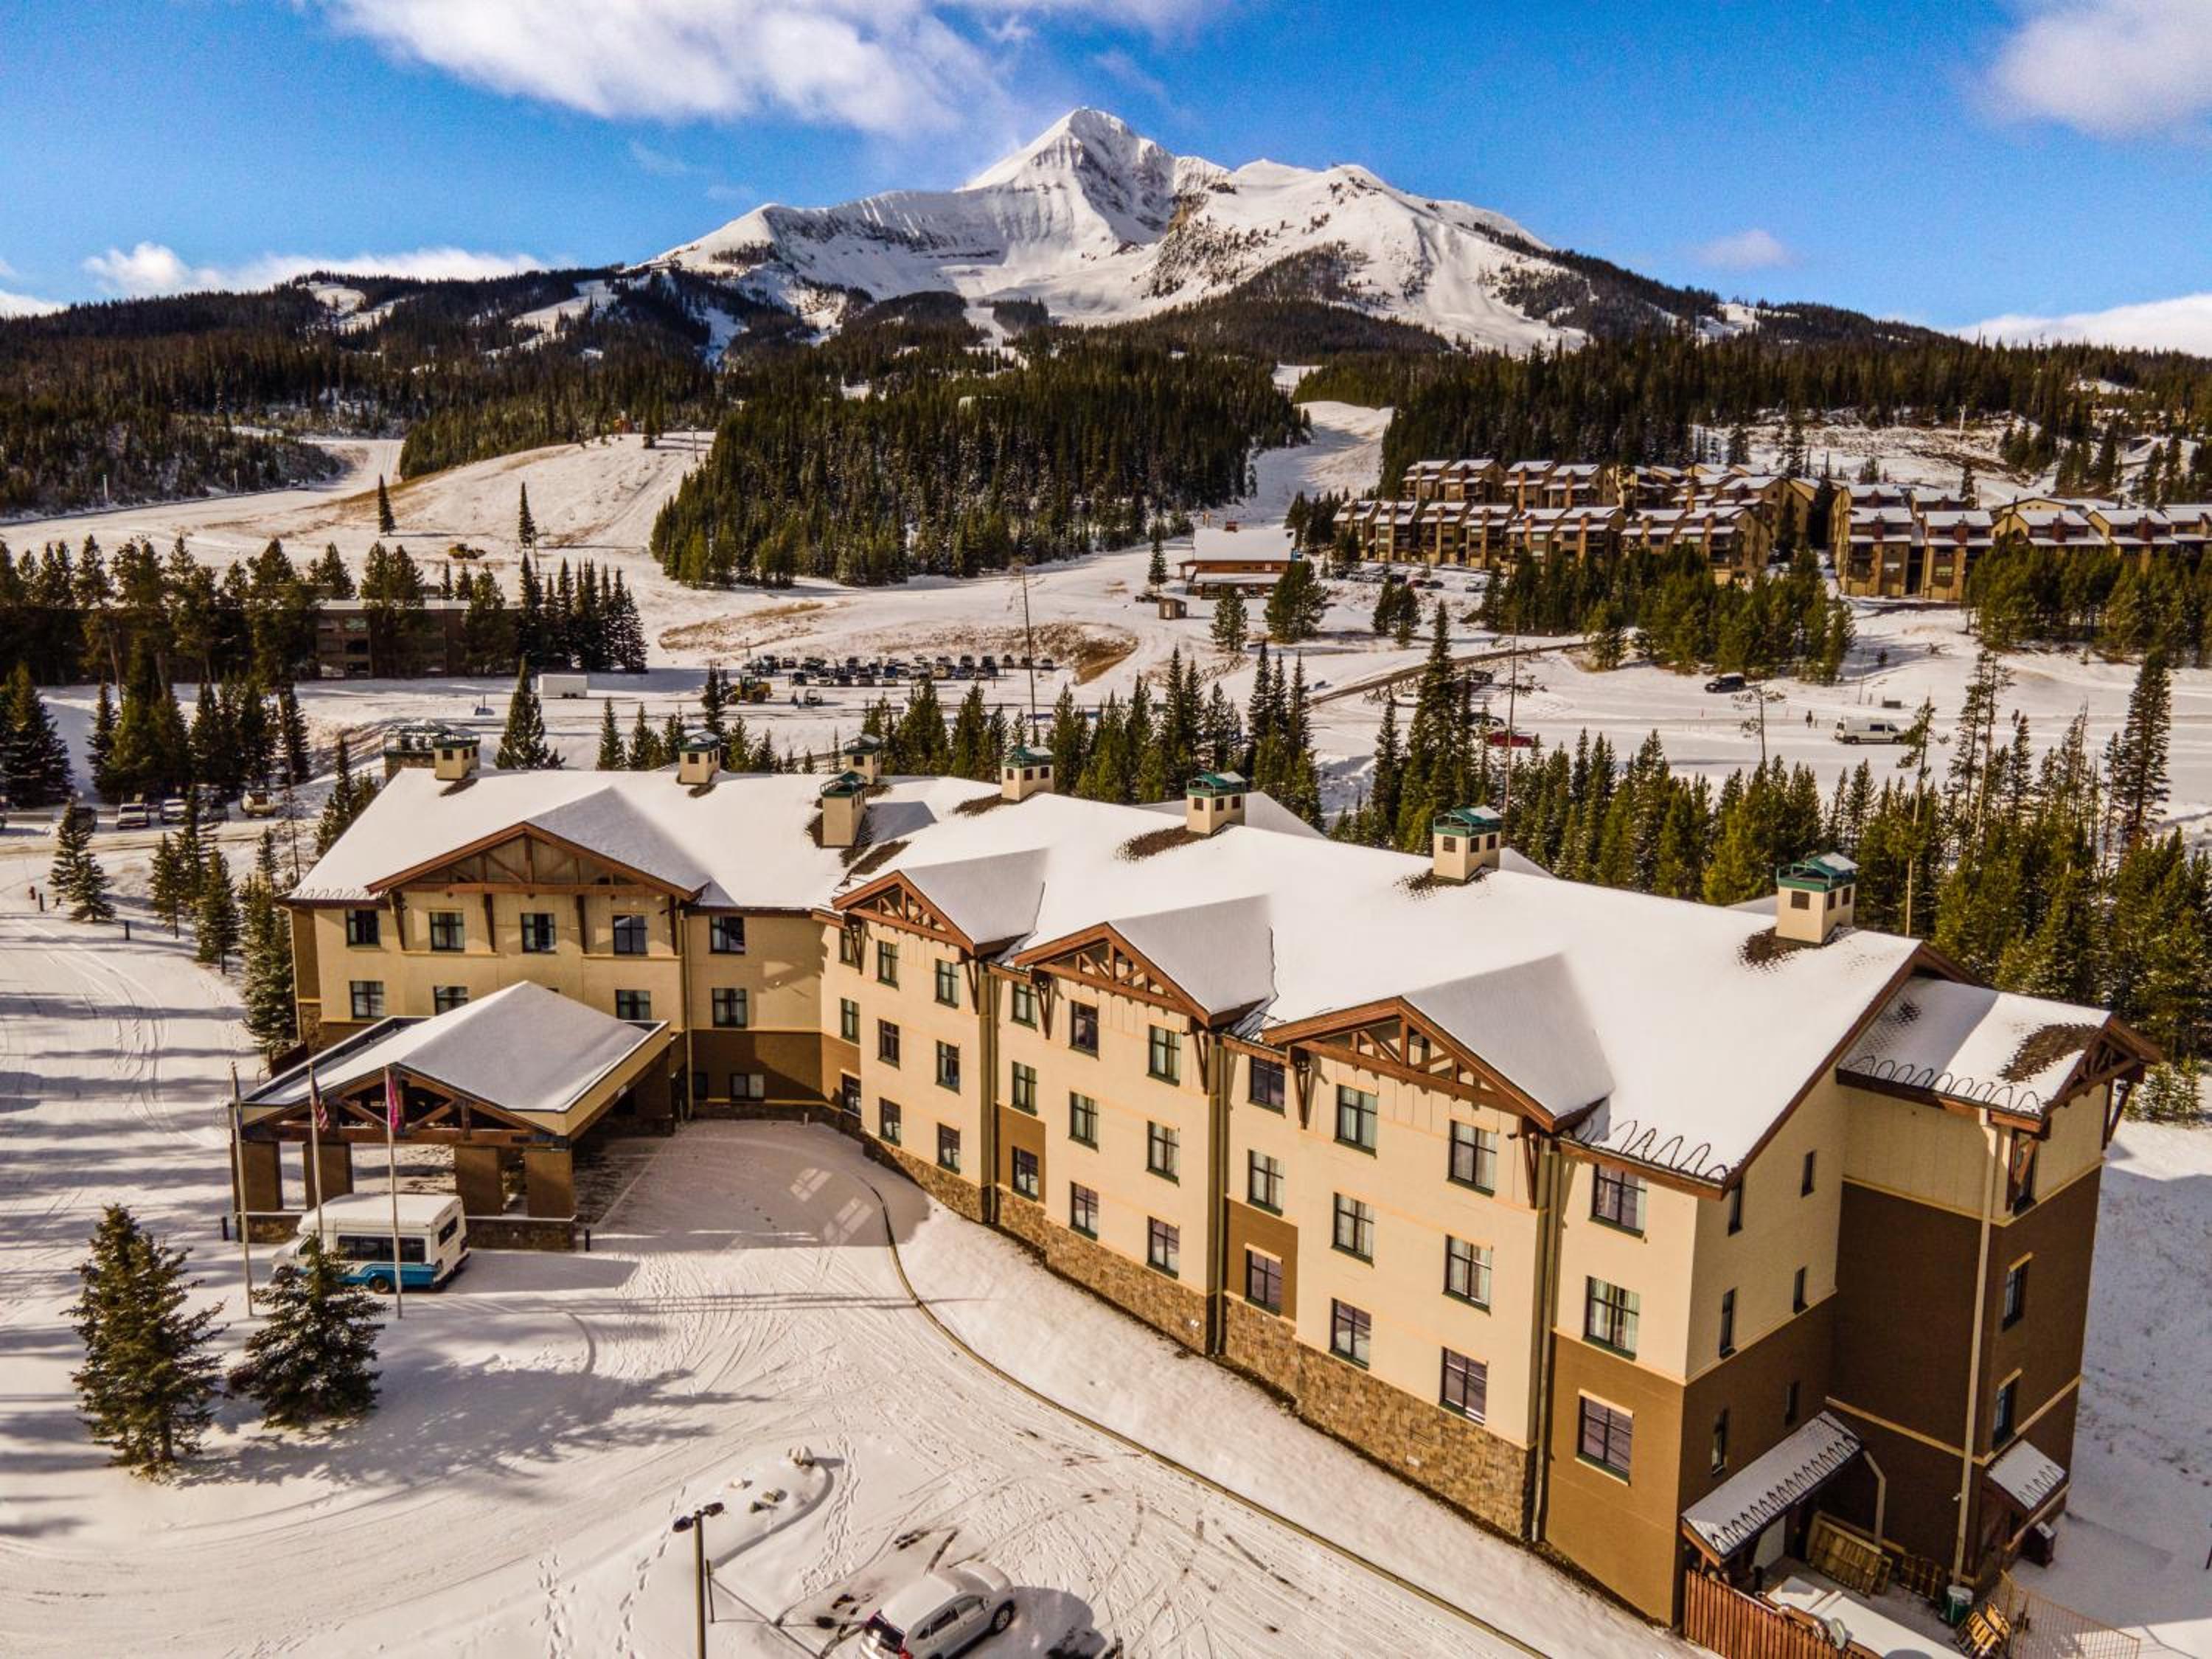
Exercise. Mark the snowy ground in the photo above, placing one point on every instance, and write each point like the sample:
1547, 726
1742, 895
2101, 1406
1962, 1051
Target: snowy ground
545, 1420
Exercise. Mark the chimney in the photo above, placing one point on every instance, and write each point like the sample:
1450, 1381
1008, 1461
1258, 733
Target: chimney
455, 760
1815, 897
1211, 801
698, 759
1463, 840
865, 755
844, 804
1024, 772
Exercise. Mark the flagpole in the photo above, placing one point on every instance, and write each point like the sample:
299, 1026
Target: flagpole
315, 1147
391, 1179
238, 1186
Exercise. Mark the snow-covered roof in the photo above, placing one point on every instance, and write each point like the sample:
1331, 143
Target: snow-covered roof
2026, 1476
1688, 1036
744, 843
1742, 1506
1971, 1043
523, 1048
1213, 543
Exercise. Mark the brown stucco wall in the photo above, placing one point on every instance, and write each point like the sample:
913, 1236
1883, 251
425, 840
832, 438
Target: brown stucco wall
1272, 1234
1026, 1131
1904, 1295
790, 1060
1752, 1385
1623, 1533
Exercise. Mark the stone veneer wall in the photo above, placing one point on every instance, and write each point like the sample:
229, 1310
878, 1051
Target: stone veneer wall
1446, 1455
1168, 1305
947, 1188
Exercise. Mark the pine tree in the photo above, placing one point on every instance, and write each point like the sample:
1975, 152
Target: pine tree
313, 1362
329, 574
147, 1385
611, 757
267, 989
34, 767
526, 527
102, 745
1230, 625
386, 524
215, 921
77, 878
2138, 777
1296, 603
1155, 569
349, 796
522, 746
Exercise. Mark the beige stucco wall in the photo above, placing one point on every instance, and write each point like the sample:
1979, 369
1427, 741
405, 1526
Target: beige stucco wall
779, 971
1657, 1265
923, 1022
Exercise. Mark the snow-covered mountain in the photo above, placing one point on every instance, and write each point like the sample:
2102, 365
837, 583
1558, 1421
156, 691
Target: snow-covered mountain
1101, 224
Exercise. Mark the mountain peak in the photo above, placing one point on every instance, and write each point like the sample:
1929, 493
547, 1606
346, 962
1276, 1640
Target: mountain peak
1103, 139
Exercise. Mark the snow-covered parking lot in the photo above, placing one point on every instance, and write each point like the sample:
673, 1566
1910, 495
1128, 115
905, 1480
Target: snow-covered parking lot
545, 1420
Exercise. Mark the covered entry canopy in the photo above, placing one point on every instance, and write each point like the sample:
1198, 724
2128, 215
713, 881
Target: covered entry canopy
523, 1064
1733, 1514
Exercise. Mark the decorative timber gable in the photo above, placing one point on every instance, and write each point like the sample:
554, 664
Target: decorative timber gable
528, 860
1391, 1039
1100, 960
892, 901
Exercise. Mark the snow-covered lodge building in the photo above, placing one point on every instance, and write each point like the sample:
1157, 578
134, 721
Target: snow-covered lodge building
1644, 1230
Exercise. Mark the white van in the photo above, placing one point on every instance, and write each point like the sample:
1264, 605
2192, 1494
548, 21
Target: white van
1870, 728
357, 1229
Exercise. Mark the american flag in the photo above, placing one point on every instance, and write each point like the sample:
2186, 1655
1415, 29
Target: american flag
316, 1103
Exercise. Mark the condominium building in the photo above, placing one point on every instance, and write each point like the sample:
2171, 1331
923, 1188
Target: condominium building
1639, 1230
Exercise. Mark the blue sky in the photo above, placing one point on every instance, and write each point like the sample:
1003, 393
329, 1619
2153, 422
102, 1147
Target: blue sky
2046, 160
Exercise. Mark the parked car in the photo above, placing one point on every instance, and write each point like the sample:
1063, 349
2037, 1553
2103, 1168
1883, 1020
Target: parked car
133, 815
211, 806
173, 810
1501, 739
259, 803
1870, 728
1725, 683
943, 1613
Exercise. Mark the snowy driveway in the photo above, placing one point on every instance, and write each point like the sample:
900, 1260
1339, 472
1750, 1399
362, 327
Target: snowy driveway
545, 1419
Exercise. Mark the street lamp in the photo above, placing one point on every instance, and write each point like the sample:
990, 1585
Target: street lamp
695, 1524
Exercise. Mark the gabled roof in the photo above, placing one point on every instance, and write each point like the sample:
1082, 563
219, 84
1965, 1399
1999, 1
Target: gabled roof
1980, 1047
1742, 1506
2027, 1477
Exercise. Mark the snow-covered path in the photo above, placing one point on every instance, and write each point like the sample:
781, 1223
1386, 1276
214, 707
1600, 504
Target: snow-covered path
545, 1420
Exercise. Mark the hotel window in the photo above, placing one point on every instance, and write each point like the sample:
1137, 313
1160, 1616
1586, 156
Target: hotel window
1083, 1027
886, 963
1082, 1119
948, 984
1263, 1182
948, 1065
537, 932
2004, 1421
1790, 1403
1351, 1331
1355, 1228
887, 1043
1607, 1437
2024, 1198
1466, 1386
848, 1093
1727, 1323
948, 1148
726, 935
1163, 1152
629, 936
888, 1121
363, 926
1467, 1271
1083, 1210
730, 1007
848, 947
367, 998
1163, 1246
1265, 1086
1024, 1088
1609, 1316
1263, 1281
2016, 1294
1617, 1198
1797, 1304
632, 1005
1023, 1009
1025, 1172
748, 1085
1720, 1442
1355, 1118
448, 930
444, 998
1164, 1056
1475, 1156
1735, 1208
849, 1019
1805, 1181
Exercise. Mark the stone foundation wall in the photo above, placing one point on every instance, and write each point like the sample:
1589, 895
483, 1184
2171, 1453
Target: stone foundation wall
1168, 1305
1446, 1455
959, 1196
522, 1232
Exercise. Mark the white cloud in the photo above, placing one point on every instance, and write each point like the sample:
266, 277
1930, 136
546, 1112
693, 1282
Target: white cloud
885, 66
2184, 324
658, 162
24, 305
2114, 68
1130, 73
149, 268
1746, 250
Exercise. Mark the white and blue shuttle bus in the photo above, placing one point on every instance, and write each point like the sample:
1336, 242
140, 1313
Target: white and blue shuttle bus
357, 1230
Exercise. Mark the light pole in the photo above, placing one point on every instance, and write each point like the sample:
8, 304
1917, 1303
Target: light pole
695, 1524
